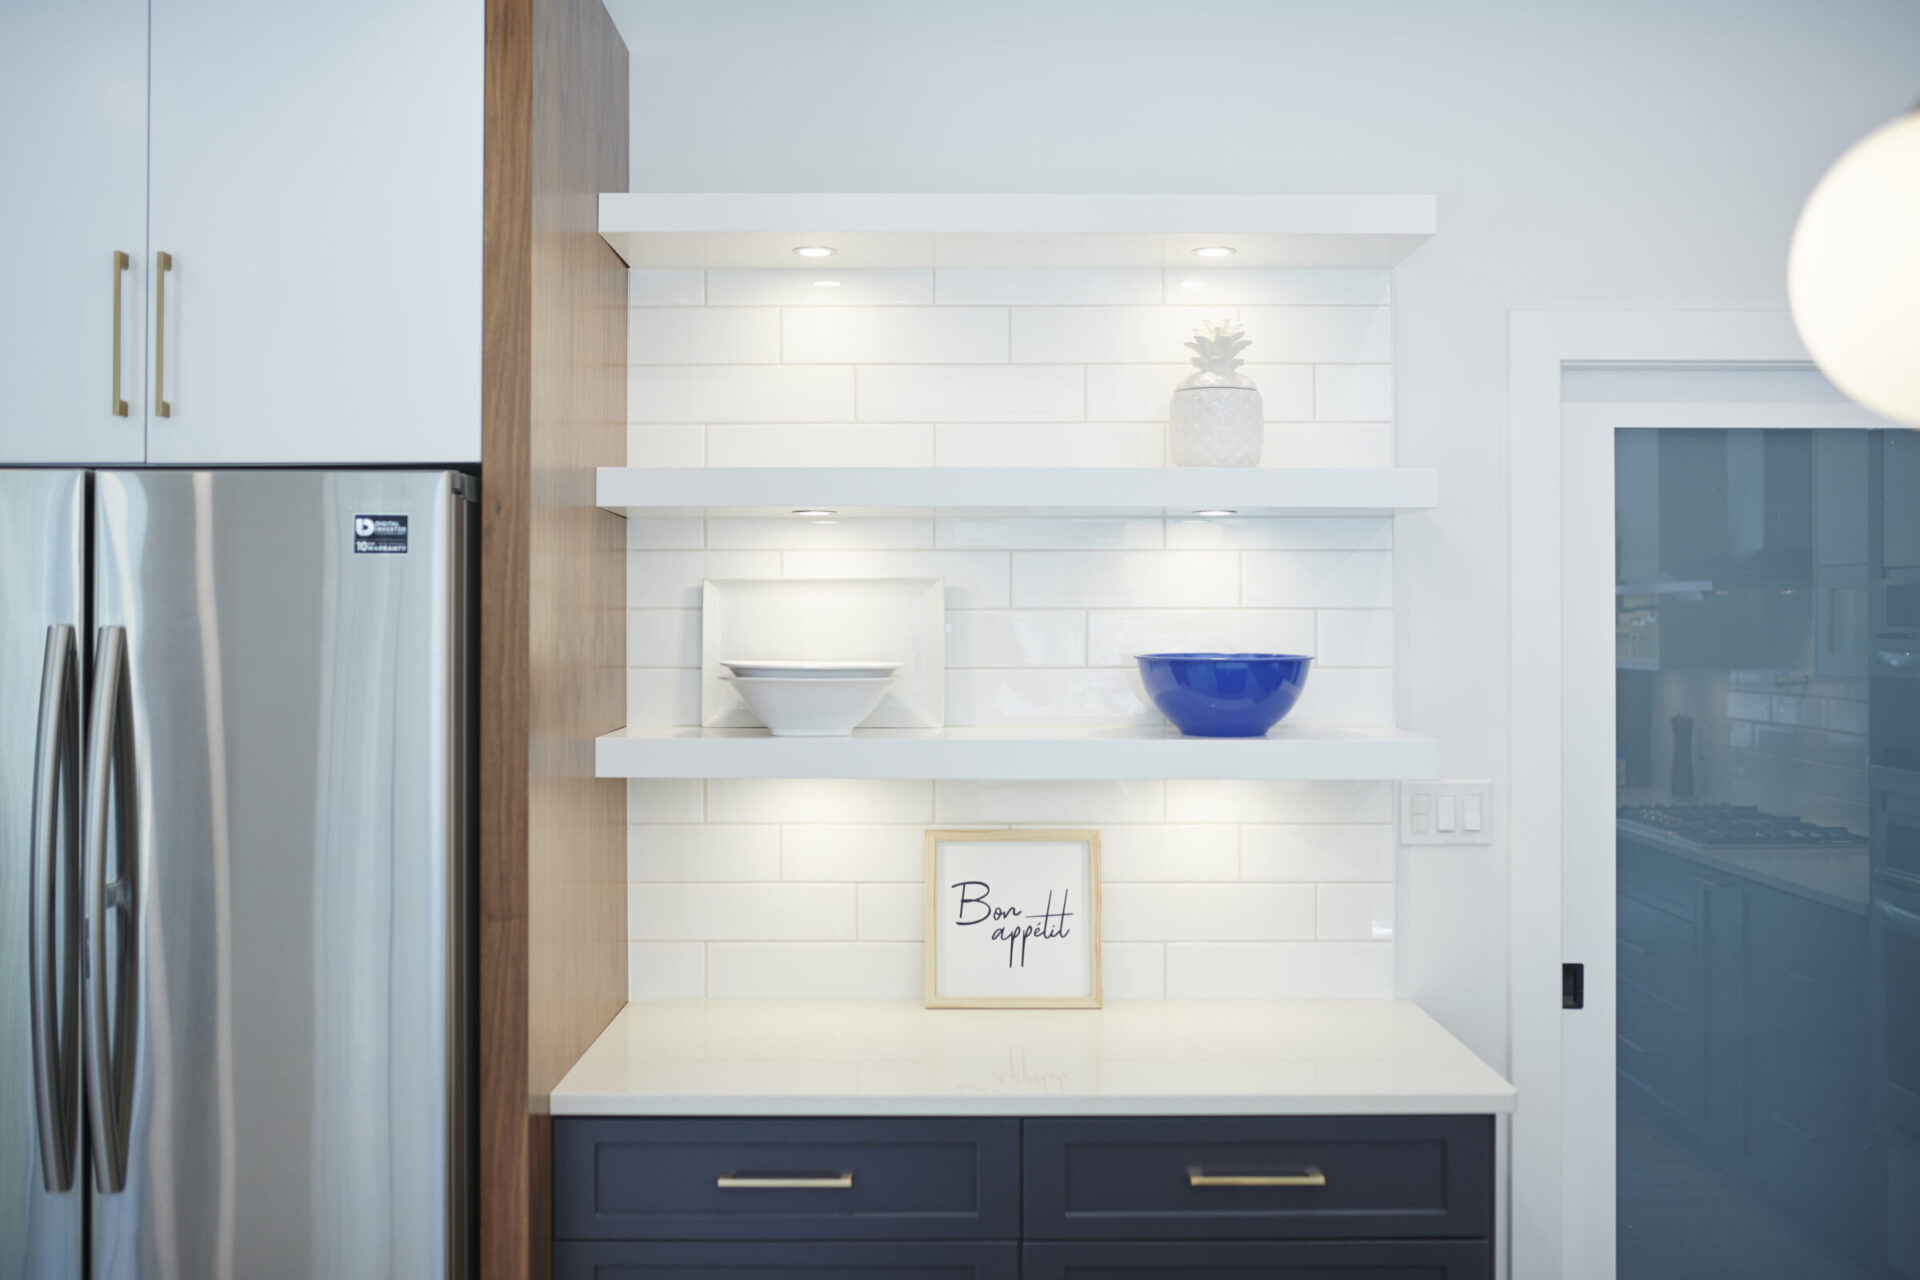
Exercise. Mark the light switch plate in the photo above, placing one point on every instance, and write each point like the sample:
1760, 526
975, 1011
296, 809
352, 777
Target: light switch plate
1454, 811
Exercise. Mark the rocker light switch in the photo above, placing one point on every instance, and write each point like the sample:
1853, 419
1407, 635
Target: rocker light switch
1451, 812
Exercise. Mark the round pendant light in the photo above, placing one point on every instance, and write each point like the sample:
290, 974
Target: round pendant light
1853, 274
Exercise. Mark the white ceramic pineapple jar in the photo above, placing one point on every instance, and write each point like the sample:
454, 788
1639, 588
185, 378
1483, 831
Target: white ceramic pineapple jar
1216, 420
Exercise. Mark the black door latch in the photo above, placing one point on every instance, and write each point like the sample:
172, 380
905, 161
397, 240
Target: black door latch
1573, 986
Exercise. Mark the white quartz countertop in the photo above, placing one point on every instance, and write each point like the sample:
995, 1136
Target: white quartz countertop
895, 1058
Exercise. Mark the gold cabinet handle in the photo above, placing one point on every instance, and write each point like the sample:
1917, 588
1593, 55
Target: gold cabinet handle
1308, 1178
784, 1182
120, 264
163, 263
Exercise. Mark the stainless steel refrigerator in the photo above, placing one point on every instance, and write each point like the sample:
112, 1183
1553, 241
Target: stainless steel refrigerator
235, 837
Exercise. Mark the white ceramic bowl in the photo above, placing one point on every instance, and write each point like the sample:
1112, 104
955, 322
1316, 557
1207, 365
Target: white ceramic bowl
849, 669
810, 706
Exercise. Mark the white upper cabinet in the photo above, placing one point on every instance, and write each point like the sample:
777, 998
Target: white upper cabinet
311, 174
316, 185
73, 167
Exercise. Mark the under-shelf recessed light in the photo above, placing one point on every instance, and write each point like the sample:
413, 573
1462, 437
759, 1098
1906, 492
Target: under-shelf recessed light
1217, 511
826, 284
814, 251
814, 511
1214, 251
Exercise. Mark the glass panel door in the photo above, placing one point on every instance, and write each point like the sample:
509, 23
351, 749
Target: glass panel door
1767, 774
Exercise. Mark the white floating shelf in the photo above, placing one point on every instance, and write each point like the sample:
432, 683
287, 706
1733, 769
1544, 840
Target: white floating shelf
1174, 491
992, 753
736, 230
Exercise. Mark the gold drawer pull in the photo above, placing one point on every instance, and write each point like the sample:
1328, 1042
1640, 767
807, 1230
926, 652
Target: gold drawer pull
120, 264
162, 263
784, 1182
1310, 1178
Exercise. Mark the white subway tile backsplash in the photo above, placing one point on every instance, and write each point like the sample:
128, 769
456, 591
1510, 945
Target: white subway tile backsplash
665, 800
1355, 913
894, 335
1118, 579
739, 912
910, 286
666, 288
829, 800
1043, 696
1278, 286
1279, 970
741, 393
1316, 579
703, 335
811, 970
1352, 393
1049, 533
672, 579
1113, 286
974, 579
1223, 912
663, 638
663, 695
1309, 854
864, 853
803, 444
1320, 335
1016, 638
1050, 444
1320, 444
1286, 390
1049, 802
1356, 637
987, 393
777, 888
1105, 335
1115, 637
666, 970
677, 444
1265, 802
799, 533
1133, 970
700, 852
893, 912
1346, 696
1157, 854
1285, 533
677, 534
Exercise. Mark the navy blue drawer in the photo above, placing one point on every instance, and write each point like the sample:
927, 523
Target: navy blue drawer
1145, 1179
625, 1179
1372, 1260
945, 1261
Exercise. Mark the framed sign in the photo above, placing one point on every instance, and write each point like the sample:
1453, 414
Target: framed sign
1013, 919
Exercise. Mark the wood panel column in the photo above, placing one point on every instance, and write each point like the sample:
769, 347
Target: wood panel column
552, 874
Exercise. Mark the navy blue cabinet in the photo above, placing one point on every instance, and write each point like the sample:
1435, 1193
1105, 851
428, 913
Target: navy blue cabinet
914, 1260
858, 1179
1132, 1198
1263, 1177
1242, 1260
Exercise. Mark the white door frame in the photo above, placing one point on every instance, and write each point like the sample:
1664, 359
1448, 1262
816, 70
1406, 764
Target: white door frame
1561, 734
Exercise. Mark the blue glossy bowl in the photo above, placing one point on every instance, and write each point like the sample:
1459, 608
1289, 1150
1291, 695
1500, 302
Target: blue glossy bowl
1224, 695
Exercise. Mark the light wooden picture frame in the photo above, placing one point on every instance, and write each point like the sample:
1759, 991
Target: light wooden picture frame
1013, 919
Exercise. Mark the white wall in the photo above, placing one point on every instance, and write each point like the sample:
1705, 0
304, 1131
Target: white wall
1631, 154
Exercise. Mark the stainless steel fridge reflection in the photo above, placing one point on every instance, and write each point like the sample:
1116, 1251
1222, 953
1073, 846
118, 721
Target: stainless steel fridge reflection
235, 835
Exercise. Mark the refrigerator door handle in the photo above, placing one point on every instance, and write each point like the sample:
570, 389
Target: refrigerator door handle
54, 945
109, 763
